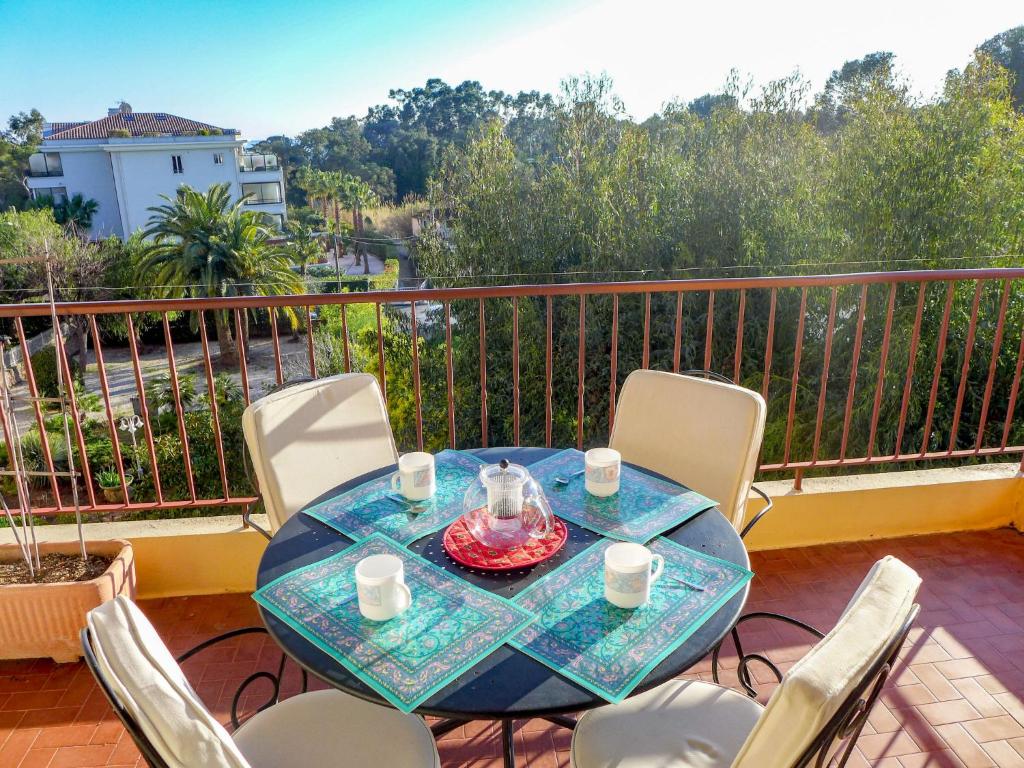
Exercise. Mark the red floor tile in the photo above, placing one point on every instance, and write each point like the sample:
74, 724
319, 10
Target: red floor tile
955, 699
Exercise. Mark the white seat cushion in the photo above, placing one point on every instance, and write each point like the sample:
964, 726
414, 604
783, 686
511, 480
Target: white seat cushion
330, 728
311, 437
150, 684
818, 684
682, 724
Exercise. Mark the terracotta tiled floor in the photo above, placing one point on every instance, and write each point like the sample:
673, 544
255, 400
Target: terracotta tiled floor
957, 699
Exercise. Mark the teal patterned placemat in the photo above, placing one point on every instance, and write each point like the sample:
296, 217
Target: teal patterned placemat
367, 509
450, 626
609, 650
644, 507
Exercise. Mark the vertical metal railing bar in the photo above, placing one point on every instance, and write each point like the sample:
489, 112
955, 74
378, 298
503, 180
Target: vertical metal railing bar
737, 363
677, 345
483, 377
278, 370
33, 391
243, 366
515, 370
581, 371
708, 333
769, 341
646, 359
548, 374
172, 372
882, 363
449, 372
382, 374
908, 382
613, 364
997, 343
825, 366
972, 329
214, 409
108, 407
416, 384
1011, 404
854, 363
344, 338
795, 379
147, 428
309, 343
940, 353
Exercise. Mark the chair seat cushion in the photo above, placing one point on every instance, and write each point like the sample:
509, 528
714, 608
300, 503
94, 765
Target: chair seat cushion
682, 724
328, 729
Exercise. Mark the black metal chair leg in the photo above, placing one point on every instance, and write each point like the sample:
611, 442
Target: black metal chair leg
508, 745
562, 721
442, 727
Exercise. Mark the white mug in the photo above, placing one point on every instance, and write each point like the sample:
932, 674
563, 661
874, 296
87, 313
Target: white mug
381, 587
627, 574
603, 470
415, 478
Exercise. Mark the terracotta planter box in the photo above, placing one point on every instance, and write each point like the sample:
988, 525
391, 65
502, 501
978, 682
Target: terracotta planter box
38, 620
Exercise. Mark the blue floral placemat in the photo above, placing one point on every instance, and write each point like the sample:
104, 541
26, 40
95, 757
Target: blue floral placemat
610, 650
644, 506
371, 507
450, 626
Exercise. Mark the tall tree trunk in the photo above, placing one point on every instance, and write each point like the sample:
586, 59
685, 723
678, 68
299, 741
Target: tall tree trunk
355, 232
225, 341
337, 213
363, 246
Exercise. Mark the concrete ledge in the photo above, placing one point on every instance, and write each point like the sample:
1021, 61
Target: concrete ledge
210, 555
184, 556
887, 505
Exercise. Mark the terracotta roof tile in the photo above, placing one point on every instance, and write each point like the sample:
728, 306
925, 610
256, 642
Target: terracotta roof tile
136, 123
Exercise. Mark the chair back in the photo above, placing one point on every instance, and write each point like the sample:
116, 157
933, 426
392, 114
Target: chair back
816, 714
701, 433
309, 438
149, 692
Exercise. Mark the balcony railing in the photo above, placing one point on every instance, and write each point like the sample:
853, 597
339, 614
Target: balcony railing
898, 368
258, 163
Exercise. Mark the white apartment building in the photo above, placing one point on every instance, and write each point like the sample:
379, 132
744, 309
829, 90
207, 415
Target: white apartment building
127, 160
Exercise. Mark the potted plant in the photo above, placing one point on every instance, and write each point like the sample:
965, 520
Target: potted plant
47, 588
110, 483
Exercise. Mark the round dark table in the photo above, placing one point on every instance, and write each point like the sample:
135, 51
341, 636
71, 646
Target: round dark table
507, 685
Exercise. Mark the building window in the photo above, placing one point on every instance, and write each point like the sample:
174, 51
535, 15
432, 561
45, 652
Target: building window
218, 158
176, 164
275, 220
45, 164
262, 192
57, 194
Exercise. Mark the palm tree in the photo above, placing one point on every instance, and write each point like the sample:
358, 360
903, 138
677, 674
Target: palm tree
205, 245
359, 195
304, 245
76, 213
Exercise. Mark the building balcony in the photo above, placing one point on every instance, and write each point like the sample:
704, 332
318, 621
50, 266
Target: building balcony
914, 373
249, 163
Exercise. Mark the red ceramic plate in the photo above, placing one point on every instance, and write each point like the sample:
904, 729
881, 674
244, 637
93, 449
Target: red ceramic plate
466, 550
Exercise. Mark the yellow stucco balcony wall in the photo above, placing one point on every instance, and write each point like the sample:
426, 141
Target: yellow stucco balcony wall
198, 556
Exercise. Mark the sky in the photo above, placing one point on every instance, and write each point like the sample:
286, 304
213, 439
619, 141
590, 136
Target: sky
282, 67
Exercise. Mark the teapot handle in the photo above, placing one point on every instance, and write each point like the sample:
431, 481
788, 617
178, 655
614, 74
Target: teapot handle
547, 515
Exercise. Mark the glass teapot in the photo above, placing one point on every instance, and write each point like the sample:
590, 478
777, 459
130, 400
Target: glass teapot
504, 507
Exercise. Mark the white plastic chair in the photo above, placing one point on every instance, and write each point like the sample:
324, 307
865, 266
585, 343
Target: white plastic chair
819, 708
701, 433
308, 438
173, 729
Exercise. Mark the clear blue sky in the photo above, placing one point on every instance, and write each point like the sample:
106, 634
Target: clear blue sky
280, 67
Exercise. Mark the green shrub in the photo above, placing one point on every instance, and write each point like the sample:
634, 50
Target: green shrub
44, 366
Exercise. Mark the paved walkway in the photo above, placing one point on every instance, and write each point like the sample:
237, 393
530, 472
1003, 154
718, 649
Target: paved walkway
956, 699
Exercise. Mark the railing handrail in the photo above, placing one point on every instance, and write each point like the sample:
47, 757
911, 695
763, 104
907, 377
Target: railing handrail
687, 285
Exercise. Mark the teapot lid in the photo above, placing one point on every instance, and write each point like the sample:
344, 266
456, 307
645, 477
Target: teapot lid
504, 474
